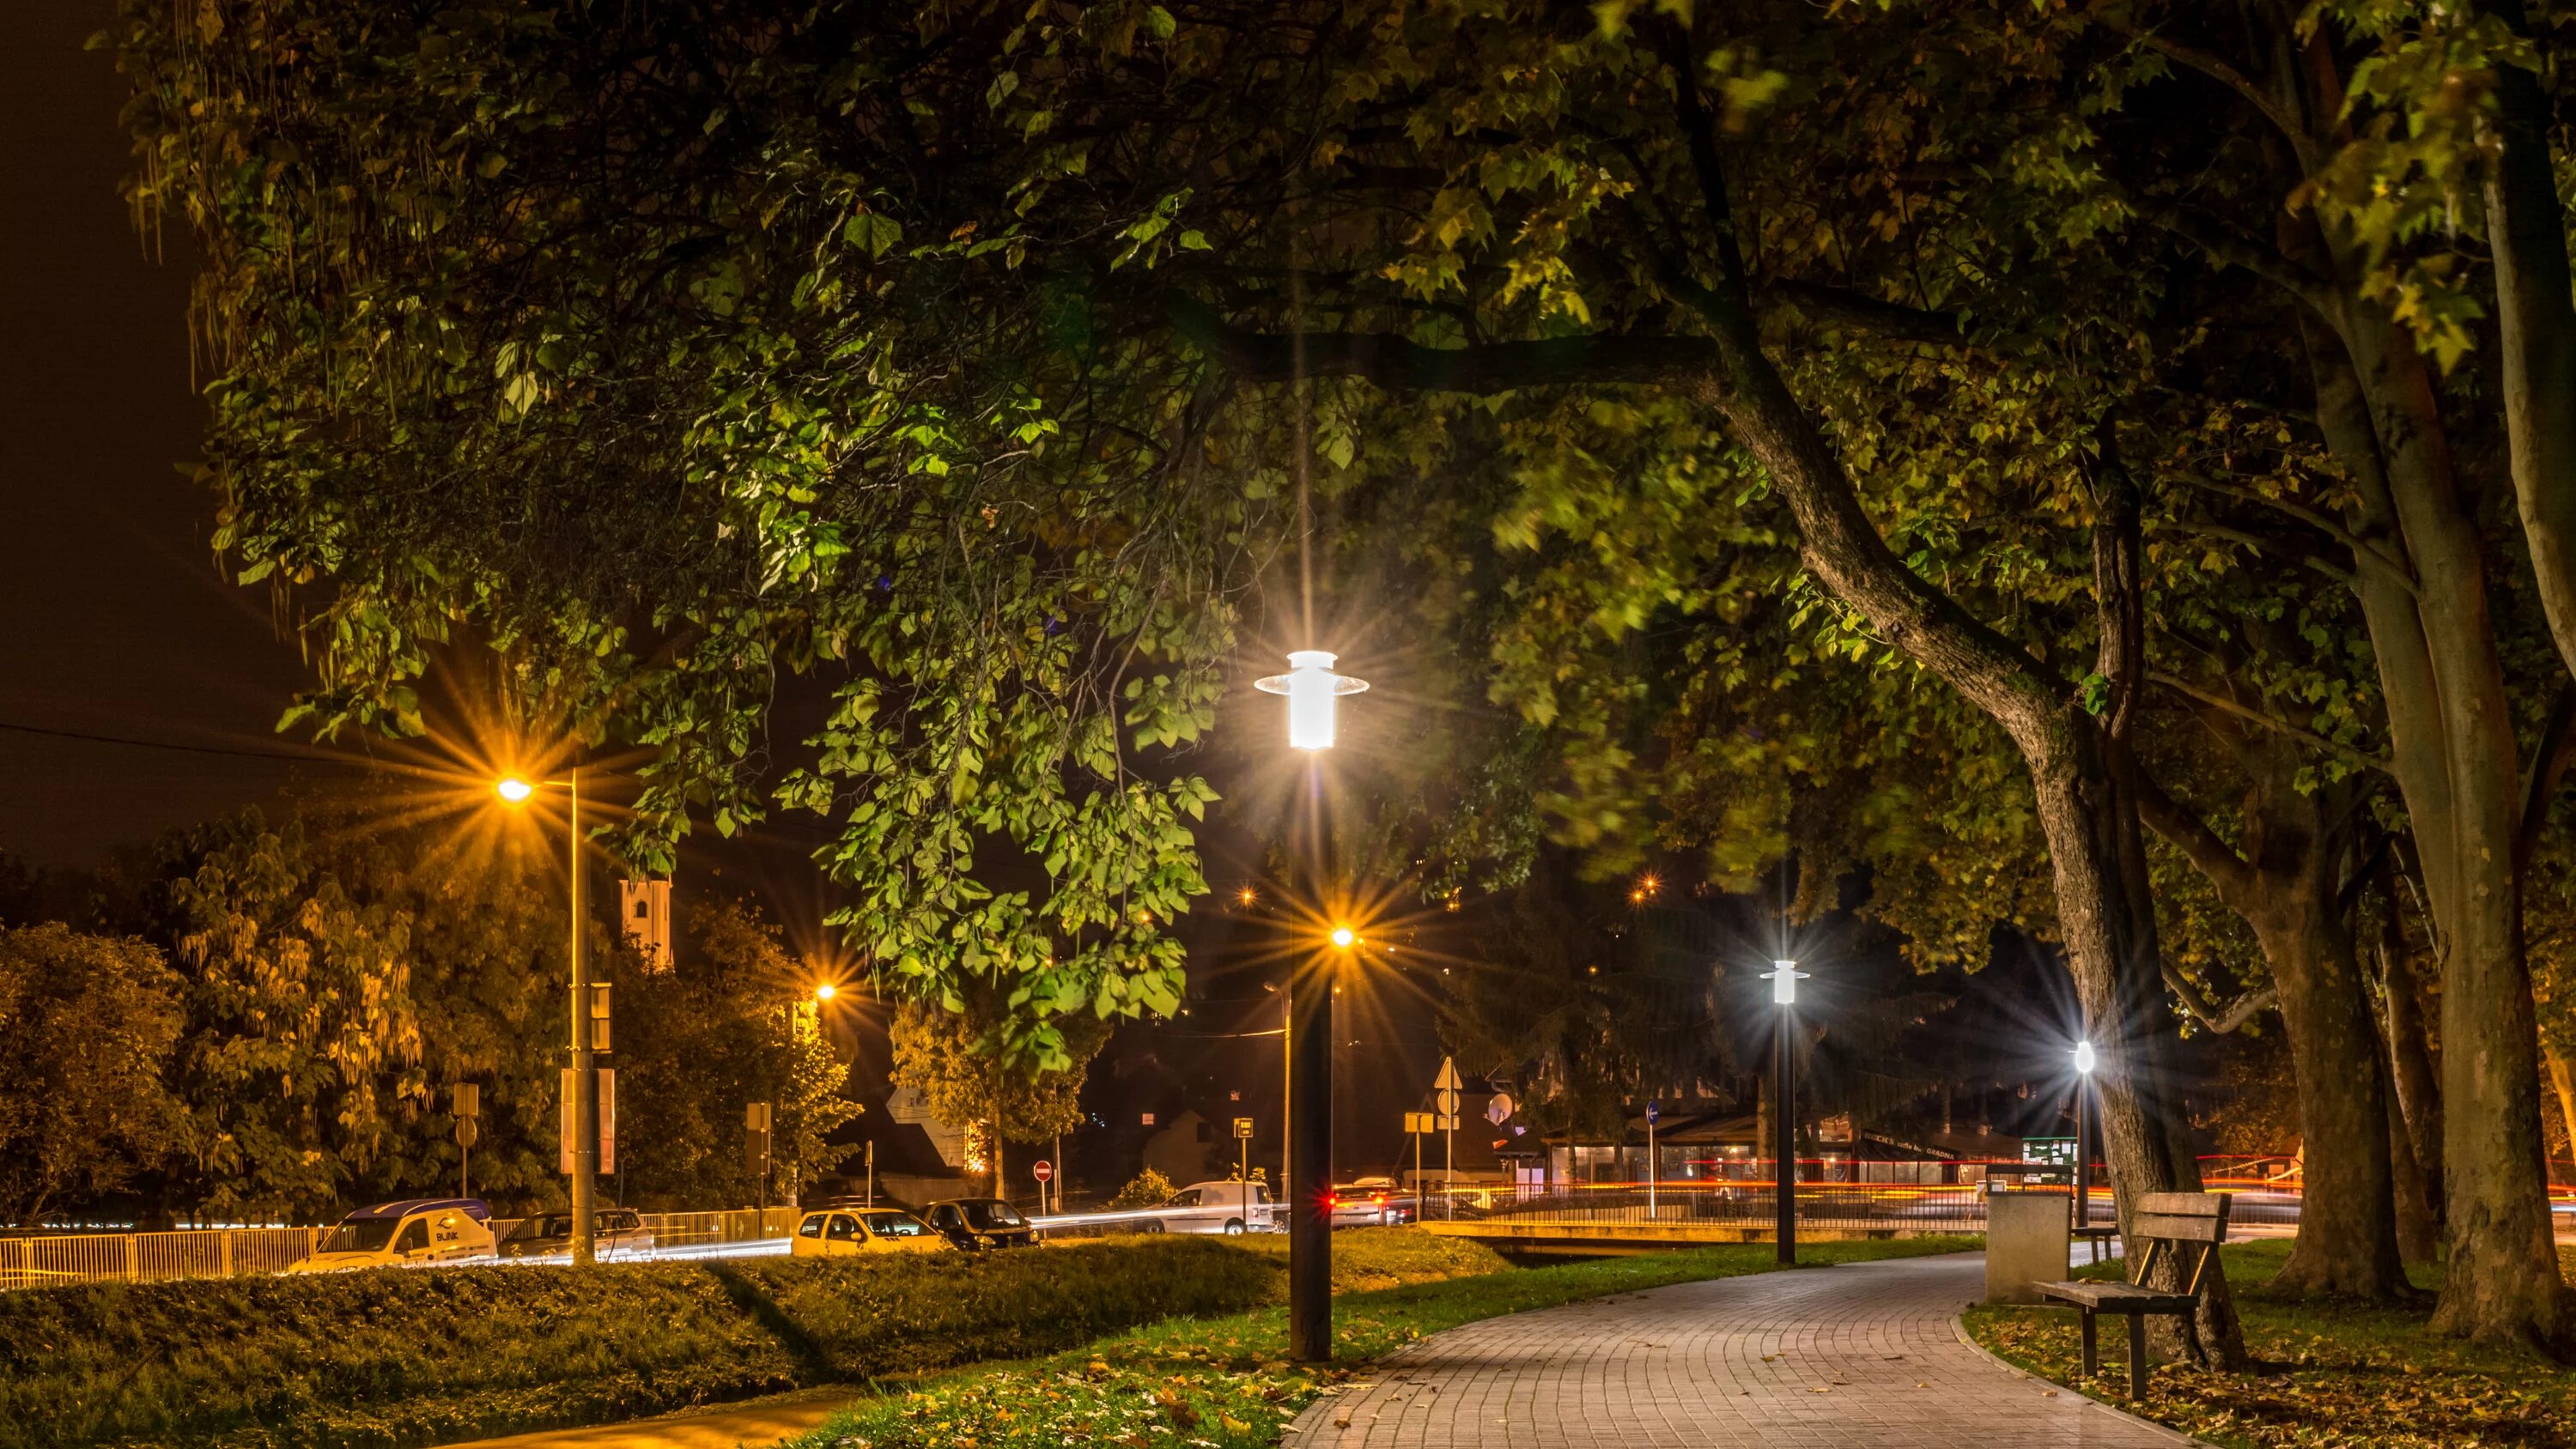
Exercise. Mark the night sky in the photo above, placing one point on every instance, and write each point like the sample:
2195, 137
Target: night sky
113, 617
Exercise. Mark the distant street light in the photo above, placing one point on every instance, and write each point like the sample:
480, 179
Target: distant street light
2083, 1055
1312, 689
1784, 977
826, 991
585, 1075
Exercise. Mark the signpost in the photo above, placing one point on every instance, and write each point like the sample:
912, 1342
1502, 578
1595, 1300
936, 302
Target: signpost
1418, 1125
755, 1152
1243, 1146
1044, 1172
468, 1106
1653, 1164
1444, 1096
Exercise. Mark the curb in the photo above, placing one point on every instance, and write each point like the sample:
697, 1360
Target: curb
1959, 1330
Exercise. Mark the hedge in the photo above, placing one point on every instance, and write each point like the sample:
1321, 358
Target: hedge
392, 1359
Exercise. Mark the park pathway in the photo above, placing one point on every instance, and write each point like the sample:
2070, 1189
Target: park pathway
1862, 1354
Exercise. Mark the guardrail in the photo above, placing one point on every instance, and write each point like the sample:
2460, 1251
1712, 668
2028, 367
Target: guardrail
151, 1257
42, 1261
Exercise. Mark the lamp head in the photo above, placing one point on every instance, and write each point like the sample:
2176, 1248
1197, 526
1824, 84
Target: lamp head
1784, 977
1344, 937
1311, 687
2084, 1057
826, 991
513, 789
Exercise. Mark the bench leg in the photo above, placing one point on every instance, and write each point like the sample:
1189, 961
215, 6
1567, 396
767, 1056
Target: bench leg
2090, 1357
2137, 1356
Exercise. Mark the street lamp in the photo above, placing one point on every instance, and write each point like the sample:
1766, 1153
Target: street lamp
826, 991
585, 1076
2083, 1054
1312, 689
1784, 977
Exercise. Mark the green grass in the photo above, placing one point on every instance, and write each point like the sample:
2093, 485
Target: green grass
2329, 1374
1226, 1381
394, 1358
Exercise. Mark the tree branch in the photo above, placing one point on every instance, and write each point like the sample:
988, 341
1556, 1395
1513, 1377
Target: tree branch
2224, 705
2235, 249
2211, 1017
2216, 67
1401, 364
2364, 552
1860, 312
2183, 829
2550, 756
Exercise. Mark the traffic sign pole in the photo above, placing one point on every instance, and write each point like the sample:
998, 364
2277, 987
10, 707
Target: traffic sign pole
1653, 1164
1445, 1097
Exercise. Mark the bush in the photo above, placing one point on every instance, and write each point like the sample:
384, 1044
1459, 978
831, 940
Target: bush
1150, 1189
395, 1358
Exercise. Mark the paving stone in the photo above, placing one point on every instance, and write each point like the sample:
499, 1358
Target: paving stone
1862, 1354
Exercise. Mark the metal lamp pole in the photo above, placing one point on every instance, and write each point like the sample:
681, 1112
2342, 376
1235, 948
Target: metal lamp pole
1784, 977
2083, 1158
584, 1074
1312, 688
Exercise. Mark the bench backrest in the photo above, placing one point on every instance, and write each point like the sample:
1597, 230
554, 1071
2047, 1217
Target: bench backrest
2180, 1220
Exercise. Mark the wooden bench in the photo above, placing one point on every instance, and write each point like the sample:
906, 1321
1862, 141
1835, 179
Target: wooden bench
2165, 1221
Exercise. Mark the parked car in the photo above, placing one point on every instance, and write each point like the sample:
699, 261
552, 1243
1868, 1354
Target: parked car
410, 1233
1210, 1207
976, 1223
614, 1233
1370, 1206
839, 1232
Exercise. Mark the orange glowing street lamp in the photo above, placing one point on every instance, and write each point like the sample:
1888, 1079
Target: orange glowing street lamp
518, 790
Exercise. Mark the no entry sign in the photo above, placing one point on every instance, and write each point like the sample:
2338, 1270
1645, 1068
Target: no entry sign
1042, 1169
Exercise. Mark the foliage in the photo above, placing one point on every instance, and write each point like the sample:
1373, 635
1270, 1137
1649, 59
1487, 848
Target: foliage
1148, 1189
2337, 1374
731, 1022
958, 1060
89, 1021
664, 429
1229, 1382
393, 1358
303, 1041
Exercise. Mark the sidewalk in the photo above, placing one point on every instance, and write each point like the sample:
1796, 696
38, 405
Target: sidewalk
754, 1425
1864, 1354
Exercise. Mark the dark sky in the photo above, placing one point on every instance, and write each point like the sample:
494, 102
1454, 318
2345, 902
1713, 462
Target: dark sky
113, 617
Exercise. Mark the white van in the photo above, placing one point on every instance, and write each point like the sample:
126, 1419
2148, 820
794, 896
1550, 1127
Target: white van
410, 1233
1211, 1207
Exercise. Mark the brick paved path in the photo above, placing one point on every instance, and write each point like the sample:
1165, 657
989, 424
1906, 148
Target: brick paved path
1862, 1354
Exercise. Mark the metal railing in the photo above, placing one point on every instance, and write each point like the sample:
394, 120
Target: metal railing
34, 1262
1928, 1207
39, 1261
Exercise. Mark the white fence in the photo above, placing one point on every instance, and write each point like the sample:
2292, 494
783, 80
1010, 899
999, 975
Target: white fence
35, 1262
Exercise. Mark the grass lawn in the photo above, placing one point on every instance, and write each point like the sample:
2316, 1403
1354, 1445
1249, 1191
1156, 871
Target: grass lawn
2330, 1374
1227, 1382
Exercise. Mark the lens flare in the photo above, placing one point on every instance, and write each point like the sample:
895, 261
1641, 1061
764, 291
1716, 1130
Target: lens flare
514, 789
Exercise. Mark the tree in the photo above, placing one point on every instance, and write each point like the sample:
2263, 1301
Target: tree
957, 1061
84, 1113
2375, 316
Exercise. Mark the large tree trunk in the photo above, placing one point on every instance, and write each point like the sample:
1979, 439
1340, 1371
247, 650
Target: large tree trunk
2282, 880
2503, 1282
2419, 1225
2347, 1243
2536, 325
2412, 1071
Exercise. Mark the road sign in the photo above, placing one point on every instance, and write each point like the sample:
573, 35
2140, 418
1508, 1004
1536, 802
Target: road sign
1418, 1123
1042, 1170
1243, 1128
1446, 1100
1652, 1112
1444, 1122
1498, 1109
1448, 1078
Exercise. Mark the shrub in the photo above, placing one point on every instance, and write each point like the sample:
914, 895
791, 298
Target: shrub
1150, 1189
395, 1358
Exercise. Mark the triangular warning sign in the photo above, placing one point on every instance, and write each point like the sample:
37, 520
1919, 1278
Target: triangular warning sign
1448, 1081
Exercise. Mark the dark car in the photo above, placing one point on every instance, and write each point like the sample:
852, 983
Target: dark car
980, 1222
614, 1233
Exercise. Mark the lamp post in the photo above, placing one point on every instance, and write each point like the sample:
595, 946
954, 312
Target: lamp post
1784, 977
585, 1074
1312, 689
2083, 1054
